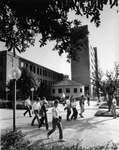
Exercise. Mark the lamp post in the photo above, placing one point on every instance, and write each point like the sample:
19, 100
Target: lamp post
14, 74
32, 90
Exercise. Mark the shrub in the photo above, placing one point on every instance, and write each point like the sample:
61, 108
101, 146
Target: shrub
14, 140
6, 104
20, 106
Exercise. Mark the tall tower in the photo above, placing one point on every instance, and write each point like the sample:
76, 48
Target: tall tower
85, 70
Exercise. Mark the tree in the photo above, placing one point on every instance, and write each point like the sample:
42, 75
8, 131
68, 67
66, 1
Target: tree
22, 20
24, 84
43, 90
109, 86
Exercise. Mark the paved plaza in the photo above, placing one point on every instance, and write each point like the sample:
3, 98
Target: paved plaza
90, 130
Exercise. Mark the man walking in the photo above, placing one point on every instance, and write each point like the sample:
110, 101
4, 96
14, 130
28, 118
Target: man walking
68, 108
43, 110
36, 109
28, 106
81, 103
114, 105
56, 121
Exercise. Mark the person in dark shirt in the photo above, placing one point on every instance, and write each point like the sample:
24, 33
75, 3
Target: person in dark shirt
43, 113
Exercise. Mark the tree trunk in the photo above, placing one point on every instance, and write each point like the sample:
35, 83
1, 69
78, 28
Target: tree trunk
109, 103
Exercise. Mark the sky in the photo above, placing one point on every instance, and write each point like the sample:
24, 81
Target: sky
105, 38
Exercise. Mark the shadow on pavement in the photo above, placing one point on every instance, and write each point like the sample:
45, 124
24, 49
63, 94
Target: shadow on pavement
80, 125
37, 135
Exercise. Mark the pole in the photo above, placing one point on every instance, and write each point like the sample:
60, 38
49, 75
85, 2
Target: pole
14, 106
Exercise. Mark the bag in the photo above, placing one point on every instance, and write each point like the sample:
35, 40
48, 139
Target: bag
41, 112
60, 118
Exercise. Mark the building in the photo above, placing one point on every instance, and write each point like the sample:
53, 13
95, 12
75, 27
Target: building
87, 68
43, 74
66, 88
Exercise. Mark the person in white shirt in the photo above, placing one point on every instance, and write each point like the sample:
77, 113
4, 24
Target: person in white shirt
75, 112
68, 108
28, 106
36, 108
114, 105
56, 121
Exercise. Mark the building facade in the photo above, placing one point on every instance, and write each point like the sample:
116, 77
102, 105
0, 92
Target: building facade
43, 74
66, 88
86, 69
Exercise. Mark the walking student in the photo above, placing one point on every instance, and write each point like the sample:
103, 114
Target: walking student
81, 103
36, 109
56, 121
43, 113
28, 107
114, 105
88, 99
75, 112
68, 108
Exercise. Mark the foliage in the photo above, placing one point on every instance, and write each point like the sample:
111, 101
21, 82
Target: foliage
24, 84
49, 18
108, 87
13, 140
6, 104
2, 93
43, 90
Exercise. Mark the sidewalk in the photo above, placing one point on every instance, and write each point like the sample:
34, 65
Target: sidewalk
91, 130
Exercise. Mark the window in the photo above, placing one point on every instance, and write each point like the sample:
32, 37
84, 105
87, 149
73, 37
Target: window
40, 71
45, 73
30, 67
80, 90
53, 90
34, 69
48, 74
1, 62
37, 70
59, 90
67, 90
22, 64
75, 90
26, 65
0, 76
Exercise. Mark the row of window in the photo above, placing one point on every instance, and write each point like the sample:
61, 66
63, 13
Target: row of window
41, 71
47, 82
60, 90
